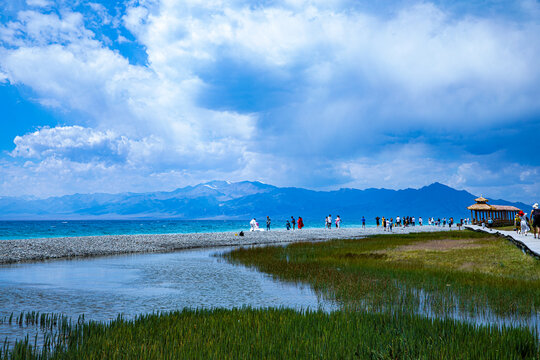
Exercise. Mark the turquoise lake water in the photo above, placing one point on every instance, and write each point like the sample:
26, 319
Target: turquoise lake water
48, 229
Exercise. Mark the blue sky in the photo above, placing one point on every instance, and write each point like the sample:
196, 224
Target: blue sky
143, 95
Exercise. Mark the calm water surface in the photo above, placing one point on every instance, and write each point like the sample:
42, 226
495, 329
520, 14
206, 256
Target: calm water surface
102, 288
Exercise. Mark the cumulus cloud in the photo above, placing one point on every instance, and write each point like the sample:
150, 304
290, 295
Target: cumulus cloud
134, 101
39, 3
102, 13
73, 142
370, 77
309, 93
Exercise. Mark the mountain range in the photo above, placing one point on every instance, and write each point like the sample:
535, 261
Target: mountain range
244, 200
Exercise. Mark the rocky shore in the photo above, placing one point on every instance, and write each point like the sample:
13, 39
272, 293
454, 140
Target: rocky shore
24, 250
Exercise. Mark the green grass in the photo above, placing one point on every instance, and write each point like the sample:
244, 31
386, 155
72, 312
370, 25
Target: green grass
286, 334
507, 228
384, 273
377, 282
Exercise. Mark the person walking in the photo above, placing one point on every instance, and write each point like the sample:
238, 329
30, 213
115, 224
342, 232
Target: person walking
524, 224
377, 219
293, 222
252, 224
300, 223
268, 222
535, 217
288, 225
330, 221
363, 222
338, 222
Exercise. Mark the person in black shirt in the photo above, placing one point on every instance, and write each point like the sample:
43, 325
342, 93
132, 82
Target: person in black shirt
535, 217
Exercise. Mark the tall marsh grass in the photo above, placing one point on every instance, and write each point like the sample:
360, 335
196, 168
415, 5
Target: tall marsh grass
283, 334
472, 274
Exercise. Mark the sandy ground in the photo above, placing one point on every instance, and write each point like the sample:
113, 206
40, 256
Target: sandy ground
25, 250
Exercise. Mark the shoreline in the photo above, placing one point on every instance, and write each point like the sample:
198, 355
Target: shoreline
43, 249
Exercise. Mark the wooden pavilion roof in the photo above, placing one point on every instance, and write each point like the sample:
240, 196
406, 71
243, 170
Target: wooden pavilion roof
486, 207
504, 208
480, 207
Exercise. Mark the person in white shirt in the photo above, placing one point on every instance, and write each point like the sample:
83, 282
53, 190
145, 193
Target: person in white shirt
253, 224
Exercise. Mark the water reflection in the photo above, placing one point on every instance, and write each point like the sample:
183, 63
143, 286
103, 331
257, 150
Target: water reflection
102, 288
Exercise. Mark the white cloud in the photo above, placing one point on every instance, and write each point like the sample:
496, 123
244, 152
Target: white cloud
122, 39
353, 82
71, 142
130, 100
39, 3
102, 13
33, 28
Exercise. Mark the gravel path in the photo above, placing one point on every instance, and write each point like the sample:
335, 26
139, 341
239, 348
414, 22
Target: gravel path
12, 251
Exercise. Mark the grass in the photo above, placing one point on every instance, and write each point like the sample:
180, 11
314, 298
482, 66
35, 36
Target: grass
382, 284
507, 228
475, 272
284, 334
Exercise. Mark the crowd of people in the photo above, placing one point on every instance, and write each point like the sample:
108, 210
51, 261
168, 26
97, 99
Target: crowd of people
387, 224
523, 223
289, 224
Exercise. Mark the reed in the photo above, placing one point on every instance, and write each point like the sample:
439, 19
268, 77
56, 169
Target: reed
445, 273
284, 334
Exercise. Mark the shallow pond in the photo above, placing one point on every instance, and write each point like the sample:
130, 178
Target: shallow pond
102, 288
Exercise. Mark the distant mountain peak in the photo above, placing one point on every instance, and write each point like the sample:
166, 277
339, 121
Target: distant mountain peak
437, 185
245, 200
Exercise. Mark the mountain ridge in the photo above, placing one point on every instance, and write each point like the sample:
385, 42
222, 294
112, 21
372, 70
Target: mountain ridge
244, 200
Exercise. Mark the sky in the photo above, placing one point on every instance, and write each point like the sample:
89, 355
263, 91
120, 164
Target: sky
143, 95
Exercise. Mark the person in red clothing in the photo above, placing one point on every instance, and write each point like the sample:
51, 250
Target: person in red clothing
300, 223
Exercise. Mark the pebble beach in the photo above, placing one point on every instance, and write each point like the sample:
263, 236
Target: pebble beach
30, 250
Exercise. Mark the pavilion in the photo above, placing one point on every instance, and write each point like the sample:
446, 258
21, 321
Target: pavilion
501, 215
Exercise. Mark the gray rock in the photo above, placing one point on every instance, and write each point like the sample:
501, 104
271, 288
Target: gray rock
24, 250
